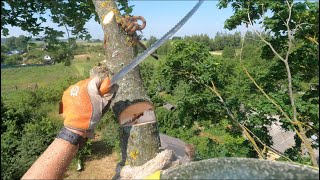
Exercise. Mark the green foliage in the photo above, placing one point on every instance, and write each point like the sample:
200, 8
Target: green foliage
151, 40
20, 124
19, 149
10, 43
180, 80
13, 59
212, 140
22, 119
187, 60
30, 147
124, 7
9, 143
110, 131
202, 38
221, 40
272, 74
81, 49
17, 43
61, 51
176, 38
164, 49
4, 49
228, 52
3, 57
35, 55
85, 151
62, 13
251, 51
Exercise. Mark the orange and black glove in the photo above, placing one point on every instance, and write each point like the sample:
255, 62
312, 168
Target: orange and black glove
84, 102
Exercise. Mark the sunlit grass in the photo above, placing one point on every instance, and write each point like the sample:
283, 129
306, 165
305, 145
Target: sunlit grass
22, 77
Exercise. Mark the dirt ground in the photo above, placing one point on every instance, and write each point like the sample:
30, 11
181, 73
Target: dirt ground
101, 165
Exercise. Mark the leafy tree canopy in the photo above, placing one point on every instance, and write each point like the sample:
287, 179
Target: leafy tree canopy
304, 16
17, 43
30, 16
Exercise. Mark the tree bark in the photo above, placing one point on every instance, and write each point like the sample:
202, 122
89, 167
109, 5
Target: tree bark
139, 144
143, 137
118, 54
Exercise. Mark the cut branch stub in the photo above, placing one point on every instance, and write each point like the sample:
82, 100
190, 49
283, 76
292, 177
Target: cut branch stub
140, 140
131, 115
139, 143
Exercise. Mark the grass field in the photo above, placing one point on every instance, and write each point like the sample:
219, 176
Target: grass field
22, 77
48, 77
90, 43
217, 53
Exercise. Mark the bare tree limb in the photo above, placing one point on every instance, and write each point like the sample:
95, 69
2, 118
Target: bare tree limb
301, 132
270, 148
245, 132
294, 109
255, 146
263, 39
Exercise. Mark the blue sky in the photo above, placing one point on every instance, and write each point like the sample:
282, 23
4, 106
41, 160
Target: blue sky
162, 15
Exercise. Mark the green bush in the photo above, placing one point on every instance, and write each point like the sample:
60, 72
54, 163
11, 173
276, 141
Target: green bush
4, 49
228, 52
80, 49
164, 49
183, 76
25, 130
19, 107
165, 119
251, 51
203, 39
20, 149
13, 59
10, 140
3, 57
35, 54
97, 49
110, 131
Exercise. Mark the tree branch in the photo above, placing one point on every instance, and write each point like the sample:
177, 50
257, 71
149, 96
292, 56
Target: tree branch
301, 132
264, 40
214, 90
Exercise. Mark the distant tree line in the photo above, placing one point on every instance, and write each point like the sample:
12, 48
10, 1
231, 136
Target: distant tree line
219, 42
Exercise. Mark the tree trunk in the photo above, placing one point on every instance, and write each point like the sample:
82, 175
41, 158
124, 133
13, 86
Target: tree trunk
143, 137
139, 144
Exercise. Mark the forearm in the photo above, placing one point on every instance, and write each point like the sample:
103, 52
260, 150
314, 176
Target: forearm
82, 105
53, 163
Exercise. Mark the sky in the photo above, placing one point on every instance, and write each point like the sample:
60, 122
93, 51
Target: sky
161, 16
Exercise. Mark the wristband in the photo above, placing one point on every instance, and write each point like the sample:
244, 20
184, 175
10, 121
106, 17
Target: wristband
72, 137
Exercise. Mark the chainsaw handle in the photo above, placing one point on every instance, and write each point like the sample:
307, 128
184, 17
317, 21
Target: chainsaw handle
105, 86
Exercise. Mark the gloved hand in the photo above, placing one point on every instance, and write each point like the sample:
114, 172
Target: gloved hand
83, 104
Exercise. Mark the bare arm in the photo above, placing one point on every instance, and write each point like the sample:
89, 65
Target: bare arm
55, 160
82, 110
